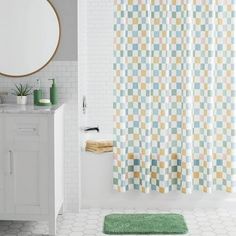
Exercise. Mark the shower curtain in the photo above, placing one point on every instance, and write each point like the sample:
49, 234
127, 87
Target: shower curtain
174, 95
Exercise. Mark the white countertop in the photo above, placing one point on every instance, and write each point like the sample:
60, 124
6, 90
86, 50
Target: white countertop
28, 109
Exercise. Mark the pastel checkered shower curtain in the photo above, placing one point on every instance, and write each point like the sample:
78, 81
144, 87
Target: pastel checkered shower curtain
175, 95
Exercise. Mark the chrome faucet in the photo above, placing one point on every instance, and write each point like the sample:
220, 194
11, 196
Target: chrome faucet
2, 97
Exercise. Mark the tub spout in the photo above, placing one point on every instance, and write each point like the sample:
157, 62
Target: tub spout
87, 129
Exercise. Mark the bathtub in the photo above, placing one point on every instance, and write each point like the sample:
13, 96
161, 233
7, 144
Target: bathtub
96, 190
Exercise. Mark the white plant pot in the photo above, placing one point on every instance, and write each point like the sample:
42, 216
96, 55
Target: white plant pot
21, 100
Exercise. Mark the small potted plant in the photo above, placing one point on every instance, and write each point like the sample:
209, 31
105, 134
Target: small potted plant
22, 91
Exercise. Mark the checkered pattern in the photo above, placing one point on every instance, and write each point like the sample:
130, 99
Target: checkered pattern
203, 93
174, 90
225, 104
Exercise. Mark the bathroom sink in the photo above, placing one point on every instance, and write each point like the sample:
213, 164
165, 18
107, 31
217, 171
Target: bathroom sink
14, 108
7, 105
11, 107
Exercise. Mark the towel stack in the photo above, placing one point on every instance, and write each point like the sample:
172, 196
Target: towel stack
99, 146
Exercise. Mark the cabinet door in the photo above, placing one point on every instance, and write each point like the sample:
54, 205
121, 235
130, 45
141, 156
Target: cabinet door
27, 157
1, 168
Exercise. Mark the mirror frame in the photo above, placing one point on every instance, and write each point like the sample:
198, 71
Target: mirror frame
54, 53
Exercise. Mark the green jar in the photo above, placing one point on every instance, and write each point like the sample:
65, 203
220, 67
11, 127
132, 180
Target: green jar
38, 94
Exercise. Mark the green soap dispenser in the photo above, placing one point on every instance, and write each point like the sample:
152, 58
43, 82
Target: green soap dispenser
53, 93
38, 93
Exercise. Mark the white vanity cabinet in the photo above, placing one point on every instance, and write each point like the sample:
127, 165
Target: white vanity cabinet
31, 165
1, 167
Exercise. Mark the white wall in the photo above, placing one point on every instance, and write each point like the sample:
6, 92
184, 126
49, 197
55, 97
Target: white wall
67, 11
95, 56
96, 47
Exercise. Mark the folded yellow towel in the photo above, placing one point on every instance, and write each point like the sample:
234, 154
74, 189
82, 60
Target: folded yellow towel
96, 147
99, 150
99, 143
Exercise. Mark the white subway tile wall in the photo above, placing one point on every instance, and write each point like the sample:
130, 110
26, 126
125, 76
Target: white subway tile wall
99, 70
66, 75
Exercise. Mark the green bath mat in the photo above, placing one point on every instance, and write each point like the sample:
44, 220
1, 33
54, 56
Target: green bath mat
144, 224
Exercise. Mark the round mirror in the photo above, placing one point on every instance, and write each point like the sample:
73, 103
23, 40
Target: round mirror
29, 36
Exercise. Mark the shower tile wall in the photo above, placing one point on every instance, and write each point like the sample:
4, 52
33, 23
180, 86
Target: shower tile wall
66, 75
99, 56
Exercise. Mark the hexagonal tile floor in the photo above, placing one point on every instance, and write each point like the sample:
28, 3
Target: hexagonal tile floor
219, 222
